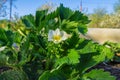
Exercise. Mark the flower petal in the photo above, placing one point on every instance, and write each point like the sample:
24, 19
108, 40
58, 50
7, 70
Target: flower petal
50, 35
2, 48
57, 35
57, 31
64, 35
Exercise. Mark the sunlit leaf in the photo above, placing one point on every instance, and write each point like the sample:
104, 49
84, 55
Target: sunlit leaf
98, 75
54, 75
71, 58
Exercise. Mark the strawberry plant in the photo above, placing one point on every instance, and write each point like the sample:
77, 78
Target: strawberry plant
115, 47
48, 47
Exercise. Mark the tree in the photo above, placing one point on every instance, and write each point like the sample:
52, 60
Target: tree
3, 23
97, 17
3, 8
111, 21
48, 6
100, 11
117, 6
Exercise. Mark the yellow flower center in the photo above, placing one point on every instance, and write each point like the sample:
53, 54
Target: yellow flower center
56, 37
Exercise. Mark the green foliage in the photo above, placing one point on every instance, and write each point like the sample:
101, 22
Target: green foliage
13, 75
92, 54
115, 47
111, 21
7, 37
117, 6
97, 17
3, 38
42, 59
101, 75
64, 13
101, 19
29, 21
4, 23
54, 75
72, 42
3, 59
72, 58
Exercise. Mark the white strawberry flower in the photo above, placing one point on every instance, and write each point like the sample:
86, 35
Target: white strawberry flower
57, 35
2, 48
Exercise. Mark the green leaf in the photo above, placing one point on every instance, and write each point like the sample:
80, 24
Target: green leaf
3, 59
82, 29
86, 46
3, 37
69, 26
92, 54
79, 17
87, 61
64, 12
71, 42
42, 42
10, 37
13, 75
61, 12
61, 61
29, 22
52, 75
72, 58
39, 17
45, 76
105, 52
98, 75
6, 37
25, 46
17, 37
24, 51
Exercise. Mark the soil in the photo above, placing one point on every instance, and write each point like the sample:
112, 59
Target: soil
112, 67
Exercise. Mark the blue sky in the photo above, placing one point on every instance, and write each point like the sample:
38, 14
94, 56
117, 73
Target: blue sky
24, 7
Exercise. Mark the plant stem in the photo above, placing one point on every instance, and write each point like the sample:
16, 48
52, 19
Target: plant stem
47, 61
